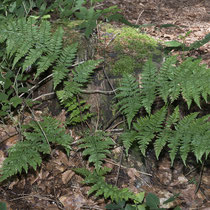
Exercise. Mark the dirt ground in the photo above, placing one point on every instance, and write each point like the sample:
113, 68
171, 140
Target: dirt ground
55, 186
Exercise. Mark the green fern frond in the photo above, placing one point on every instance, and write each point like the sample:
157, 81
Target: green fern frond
44, 34
100, 187
166, 78
149, 84
27, 153
181, 137
83, 71
148, 128
22, 155
194, 81
128, 96
164, 135
65, 60
128, 139
70, 89
54, 48
78, 111
96, 147
32, 57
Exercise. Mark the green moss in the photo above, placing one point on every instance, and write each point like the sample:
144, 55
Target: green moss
131, 47
137, 44
126, 64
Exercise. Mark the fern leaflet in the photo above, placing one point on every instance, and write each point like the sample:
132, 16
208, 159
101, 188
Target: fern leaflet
100, 187
96, 147
148, 128
128, 96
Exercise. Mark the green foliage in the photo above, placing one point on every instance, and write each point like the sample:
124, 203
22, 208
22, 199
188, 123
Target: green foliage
81, 76
27, 153
125, 64
3, 206
78, 111
11, 86
21, 8
99, 186
189, 80
152, 202
128, 95
190, 134
170, 45
97, 147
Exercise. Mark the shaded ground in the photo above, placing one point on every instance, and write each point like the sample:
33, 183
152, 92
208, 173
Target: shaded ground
56, 186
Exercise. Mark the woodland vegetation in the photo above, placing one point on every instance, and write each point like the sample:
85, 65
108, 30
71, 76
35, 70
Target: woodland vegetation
156, 95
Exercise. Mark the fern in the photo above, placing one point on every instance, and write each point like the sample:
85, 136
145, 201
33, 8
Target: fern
194, 80
54, 48
100, 187
128, 139
166, 80
27, 153
148, 128
81, 76
96, 147
77, 110
83, 71
65, 60
190, 135
149, 84
164, 135
128, 96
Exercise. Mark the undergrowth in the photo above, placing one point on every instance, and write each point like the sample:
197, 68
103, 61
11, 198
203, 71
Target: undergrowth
30, 48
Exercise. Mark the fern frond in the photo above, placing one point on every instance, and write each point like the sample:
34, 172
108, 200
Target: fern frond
166, 78
148, 128
96, 147
27, 153
194, 80
181, 137
100, 187
54, 132
21, 155
53, 46
77, 110
83, 71
200, 137
149, 84
64, 62
128, 139
128, 95
32, 57
164, 135
70, 89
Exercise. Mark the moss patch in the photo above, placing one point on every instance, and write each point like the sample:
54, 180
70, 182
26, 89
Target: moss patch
125, 64
131, 47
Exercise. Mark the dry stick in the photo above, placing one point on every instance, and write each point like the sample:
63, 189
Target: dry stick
116, 164
137, 21
42, 96
98, 115
109, 92
40, 127
200, 177
28, 196
118, 171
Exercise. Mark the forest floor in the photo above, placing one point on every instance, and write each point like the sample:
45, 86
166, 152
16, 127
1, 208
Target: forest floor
56, 186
